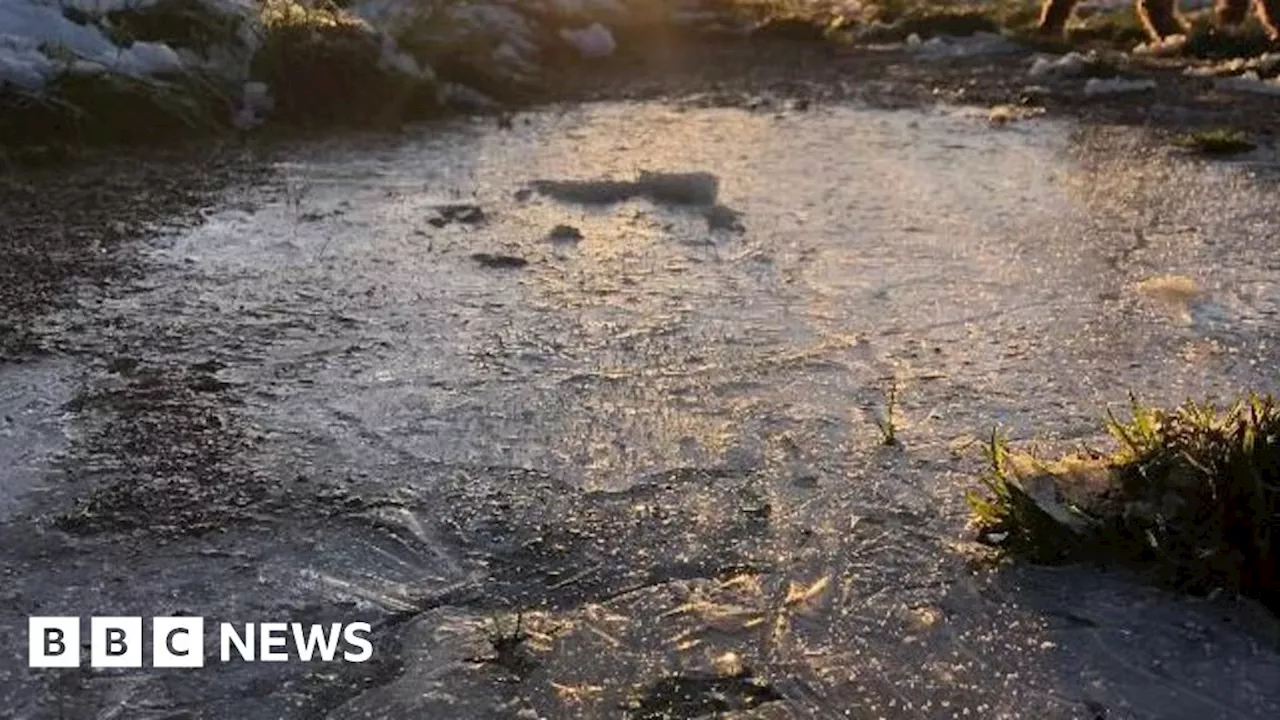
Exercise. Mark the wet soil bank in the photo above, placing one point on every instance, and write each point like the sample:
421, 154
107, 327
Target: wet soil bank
407, 378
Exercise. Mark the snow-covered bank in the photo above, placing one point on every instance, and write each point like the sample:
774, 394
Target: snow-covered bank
44, 40
220, 62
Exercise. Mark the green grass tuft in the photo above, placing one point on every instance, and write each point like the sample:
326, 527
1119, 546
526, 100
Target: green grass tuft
888, 427
1191, 494
1221, 141
1008, 515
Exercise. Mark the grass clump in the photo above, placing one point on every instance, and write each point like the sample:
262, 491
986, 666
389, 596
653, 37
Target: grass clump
888, 427
1021, 513
1191, 494
1209, 41
896, 20
1220, 141
325, 67
509, 649
108, 108
1119, 28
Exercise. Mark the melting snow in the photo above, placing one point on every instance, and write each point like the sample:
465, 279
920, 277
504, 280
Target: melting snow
1117, 85
594, 41
38, 42
1069, 65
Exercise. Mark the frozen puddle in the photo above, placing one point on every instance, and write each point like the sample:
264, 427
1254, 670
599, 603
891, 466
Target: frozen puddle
507, 372
32, 429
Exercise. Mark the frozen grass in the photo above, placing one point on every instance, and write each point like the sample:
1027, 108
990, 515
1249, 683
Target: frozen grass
888, 426
109, 109
1220, 141
324, 67
1190, 494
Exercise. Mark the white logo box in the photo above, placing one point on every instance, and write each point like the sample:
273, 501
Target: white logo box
116, 642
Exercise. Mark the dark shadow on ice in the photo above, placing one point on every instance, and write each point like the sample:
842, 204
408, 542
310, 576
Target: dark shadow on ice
691, 188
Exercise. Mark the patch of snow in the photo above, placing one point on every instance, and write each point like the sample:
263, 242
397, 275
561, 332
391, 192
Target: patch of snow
977, 44
595, 9
496, 21
393, 58
1069, 65
457, 28
39, 43
696, 17
151, 58
102, 7
1116, 86
22, 64
256, 104
594, 41
507, 55
463, 97
87, 67
1249, 82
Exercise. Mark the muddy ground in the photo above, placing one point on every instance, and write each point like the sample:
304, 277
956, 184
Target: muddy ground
362, 377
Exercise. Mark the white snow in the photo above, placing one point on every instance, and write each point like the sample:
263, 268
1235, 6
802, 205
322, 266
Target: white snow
588, 8
1116, 86
256, 104
594, 41
465, 97
494, 20
1250, 82
977, 44
101, 7
1069, 65
393, 58
461, 27
38, 42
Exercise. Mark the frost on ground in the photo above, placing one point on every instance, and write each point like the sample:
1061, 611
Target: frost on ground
975, 45
66, 61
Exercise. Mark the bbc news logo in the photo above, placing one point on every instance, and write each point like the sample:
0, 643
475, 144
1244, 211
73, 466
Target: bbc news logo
178, 642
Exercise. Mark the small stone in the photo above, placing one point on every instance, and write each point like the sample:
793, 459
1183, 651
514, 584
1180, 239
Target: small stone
719, 217
564, 233
466, 213
499, 261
